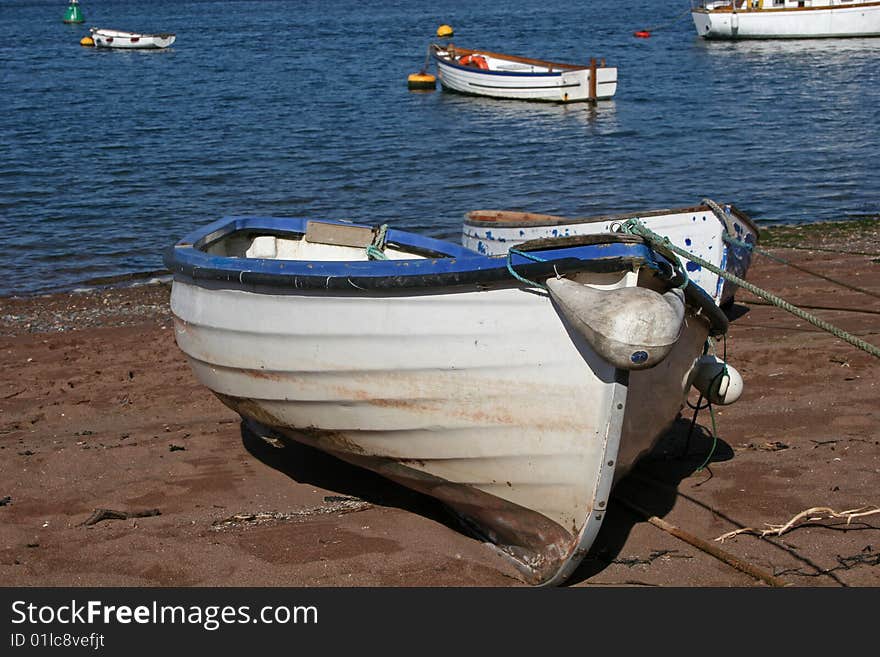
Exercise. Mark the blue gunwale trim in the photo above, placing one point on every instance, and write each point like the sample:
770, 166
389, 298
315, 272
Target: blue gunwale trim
454, 264
454, 269
548, 87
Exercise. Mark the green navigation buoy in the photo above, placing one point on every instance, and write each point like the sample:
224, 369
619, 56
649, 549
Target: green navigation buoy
73, 13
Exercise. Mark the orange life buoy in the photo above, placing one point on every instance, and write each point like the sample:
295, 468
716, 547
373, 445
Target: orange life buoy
474, 60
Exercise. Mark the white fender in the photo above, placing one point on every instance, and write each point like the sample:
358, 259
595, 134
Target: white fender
714, 384
632, 328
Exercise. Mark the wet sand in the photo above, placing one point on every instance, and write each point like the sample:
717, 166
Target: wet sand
99, 410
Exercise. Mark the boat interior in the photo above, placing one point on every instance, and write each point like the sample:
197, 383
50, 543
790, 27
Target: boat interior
321, 242
492, 61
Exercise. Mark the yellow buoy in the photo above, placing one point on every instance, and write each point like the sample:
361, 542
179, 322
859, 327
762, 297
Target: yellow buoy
444, 31
421, 81
86, 41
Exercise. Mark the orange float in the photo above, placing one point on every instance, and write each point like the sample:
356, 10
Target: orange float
474, 60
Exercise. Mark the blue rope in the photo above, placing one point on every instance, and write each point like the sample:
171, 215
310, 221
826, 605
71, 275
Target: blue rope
529, 256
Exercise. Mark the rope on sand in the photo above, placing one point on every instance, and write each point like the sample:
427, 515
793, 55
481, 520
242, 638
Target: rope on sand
708, 548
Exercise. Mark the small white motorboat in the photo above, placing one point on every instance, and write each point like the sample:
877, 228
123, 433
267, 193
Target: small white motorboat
130, 40
515, 388
484, 73
720, 235
785, 19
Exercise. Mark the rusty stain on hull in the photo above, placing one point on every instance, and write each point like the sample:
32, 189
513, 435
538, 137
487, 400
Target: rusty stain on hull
418, 394
330, 441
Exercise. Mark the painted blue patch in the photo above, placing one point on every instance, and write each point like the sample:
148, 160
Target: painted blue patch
554, 232
522, 233
481, 248
693, 266
687, 241
639, 356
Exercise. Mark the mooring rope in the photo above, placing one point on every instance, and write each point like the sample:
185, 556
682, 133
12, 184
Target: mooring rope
636, 227
798, 247
523, 279
730, 239
697, 408
672, 22
754, 248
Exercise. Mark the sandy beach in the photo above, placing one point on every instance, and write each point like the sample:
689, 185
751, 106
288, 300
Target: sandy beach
99, 411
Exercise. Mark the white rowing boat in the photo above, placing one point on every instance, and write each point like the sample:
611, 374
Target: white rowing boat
485, 73
103, 38
448, 371
719, 235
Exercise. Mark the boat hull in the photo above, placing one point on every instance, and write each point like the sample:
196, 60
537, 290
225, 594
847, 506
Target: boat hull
800, 23
698, 229
489, 404
438, 368
565, 86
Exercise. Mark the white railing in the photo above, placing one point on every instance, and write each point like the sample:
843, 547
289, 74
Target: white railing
745, 5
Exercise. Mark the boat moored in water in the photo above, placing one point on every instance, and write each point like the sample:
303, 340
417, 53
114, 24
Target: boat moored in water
723, 236
515, 389
485, 73
786, 19
103, 38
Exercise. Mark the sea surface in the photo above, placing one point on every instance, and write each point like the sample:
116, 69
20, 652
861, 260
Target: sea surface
301, 108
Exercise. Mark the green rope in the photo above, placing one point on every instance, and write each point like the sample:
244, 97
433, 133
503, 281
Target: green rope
720, 376
374, 250
636, 227
714, 439
523, 279
672, 257
752, 247
699, 407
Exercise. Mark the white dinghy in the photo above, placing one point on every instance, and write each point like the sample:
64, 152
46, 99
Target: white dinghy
496, 75
456, 374
719, 235
103, 38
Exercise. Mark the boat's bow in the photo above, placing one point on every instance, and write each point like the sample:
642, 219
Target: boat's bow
441, 369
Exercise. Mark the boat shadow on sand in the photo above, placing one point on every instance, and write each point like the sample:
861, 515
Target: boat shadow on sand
651, 484
309, 465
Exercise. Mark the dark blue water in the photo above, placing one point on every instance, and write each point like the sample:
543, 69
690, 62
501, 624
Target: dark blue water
302, 109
